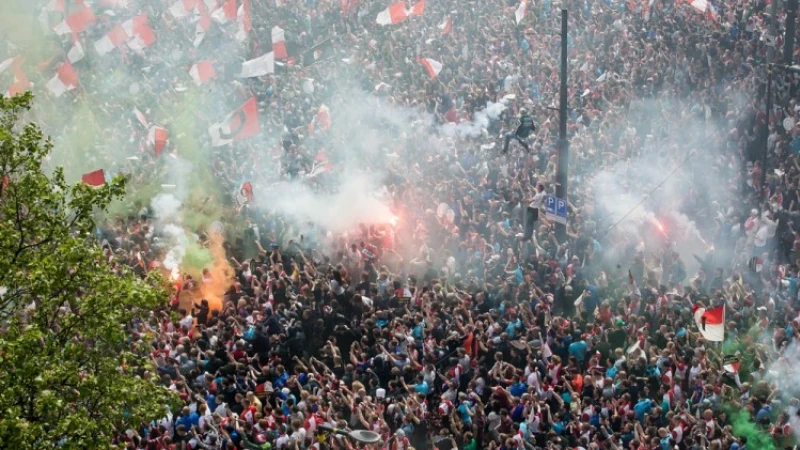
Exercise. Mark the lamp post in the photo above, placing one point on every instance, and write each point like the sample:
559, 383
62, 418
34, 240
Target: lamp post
788, 39
563, 144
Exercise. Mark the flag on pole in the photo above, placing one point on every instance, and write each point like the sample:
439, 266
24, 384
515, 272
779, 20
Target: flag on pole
394, 14
66, 79
418, 9
96, 178
446, 26
258, 67
226, 13
433, 67
240, 124
279, 43
76, 22
519, 14
710, 322
202, 72
157, 137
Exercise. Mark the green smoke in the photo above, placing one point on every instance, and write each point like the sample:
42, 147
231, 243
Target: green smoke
197, 258
756, 437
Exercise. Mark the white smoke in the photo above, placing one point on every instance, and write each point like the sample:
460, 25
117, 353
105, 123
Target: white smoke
358, 199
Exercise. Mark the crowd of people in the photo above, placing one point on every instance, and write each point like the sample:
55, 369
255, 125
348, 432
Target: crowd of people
448, 329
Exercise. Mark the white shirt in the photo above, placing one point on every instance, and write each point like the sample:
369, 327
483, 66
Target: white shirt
538, 200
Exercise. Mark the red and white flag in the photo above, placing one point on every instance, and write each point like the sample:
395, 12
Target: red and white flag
76, 53
182, 8
279, 43
226, 13
204, 24
258, 67
700, 5
710, 322
446, 26
157, 138
243, 19
96, 178
245, 194
240, 124
731, 364
76, 22
418, 9
394, 14
202, 72
20, 83
136, 33
519, 14
66, 79
433, 67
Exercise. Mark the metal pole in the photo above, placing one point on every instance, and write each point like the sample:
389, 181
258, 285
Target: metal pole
563, 144
765, 154
788, 39
773, 31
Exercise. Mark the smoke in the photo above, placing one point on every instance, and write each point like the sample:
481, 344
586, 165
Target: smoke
357, 199
756, 437
479, 124
666, 187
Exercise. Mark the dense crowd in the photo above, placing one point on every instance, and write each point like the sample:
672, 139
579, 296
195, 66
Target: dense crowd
449, 330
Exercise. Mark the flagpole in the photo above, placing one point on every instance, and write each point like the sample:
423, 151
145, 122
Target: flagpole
563, 147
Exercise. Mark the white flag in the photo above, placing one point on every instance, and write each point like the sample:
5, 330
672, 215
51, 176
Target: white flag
258, 67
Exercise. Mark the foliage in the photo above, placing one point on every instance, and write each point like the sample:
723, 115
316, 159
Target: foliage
70, 374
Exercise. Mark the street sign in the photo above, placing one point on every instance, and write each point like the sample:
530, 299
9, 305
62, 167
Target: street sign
556, 209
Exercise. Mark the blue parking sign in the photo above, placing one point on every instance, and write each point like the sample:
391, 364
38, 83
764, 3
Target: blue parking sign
556, 209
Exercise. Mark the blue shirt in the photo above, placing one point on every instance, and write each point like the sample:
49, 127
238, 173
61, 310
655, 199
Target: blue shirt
578, 350
642, 408
422, 388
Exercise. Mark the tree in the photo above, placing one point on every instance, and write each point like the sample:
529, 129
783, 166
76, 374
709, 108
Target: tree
71, 375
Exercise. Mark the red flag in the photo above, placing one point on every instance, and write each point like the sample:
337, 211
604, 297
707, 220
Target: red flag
241, 124
96, 178
417, 9
157, 137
